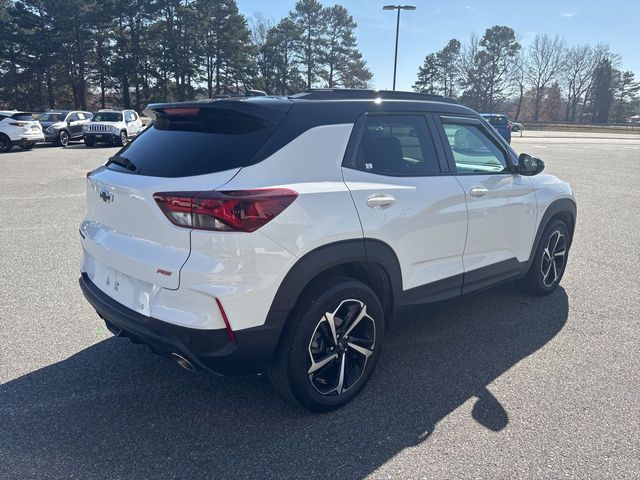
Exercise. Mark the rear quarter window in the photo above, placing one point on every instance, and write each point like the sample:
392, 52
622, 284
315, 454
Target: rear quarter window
182, 146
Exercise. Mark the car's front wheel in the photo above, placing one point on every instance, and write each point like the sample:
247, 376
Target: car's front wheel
549, 262
63, 139
122, 141
89, 142
331, 345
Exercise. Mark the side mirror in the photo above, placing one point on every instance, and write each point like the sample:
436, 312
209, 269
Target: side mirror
530, 165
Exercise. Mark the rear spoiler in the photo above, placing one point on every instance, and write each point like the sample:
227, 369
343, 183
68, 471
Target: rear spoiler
271, 110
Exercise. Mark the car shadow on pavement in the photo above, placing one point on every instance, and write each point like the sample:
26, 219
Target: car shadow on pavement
114, 410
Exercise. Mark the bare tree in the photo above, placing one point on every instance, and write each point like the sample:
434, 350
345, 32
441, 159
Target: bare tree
578, 73
600, 52
518, 76
545, 62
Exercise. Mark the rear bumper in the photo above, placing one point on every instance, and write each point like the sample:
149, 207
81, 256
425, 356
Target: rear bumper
210, 350
29, 139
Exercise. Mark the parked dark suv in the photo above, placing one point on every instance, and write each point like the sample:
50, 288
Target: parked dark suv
62, 126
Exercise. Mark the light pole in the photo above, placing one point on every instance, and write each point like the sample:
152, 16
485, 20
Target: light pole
395, 58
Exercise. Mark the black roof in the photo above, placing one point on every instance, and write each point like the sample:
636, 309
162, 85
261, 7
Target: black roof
338, 105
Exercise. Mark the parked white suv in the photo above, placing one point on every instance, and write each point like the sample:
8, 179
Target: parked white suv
18, 128
285, 233
113, 127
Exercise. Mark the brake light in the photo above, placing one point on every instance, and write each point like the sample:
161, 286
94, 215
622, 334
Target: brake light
19, 124
174, 111
239, 210
509, 126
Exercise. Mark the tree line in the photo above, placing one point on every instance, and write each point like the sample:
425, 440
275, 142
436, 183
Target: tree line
92, 54
546, 81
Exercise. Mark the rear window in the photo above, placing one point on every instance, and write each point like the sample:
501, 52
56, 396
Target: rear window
182, 146
107, 117
497, 120
25, 117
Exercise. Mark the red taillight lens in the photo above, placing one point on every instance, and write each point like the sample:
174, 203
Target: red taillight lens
509, 126
175, 111
18, 124
239, 210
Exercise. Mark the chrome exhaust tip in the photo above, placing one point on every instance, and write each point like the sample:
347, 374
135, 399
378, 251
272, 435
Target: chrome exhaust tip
183, 362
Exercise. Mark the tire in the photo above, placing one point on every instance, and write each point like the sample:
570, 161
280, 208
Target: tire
63, 139
122, 141
515, 129
545, 275
5, 143
308, 343
89, 142
27, 146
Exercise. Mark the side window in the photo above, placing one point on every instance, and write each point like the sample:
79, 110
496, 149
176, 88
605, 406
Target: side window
397, 145
73, 117
473, 150
128, 117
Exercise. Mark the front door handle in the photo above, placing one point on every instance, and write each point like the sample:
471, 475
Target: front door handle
380, 200
476, 192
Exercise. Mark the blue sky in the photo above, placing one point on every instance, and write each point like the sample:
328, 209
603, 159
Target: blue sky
434, 22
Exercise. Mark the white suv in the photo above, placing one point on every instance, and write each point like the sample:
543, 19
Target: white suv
284, 233
113, 127
18, 128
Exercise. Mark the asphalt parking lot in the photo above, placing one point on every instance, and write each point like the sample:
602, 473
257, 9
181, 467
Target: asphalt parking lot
496, 385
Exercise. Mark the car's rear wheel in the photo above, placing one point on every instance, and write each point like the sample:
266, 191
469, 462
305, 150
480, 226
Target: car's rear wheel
331, 345
63, 139
89, 142
5, 143
27, 146
549, 262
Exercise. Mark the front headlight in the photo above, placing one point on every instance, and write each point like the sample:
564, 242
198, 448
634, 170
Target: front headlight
85, 128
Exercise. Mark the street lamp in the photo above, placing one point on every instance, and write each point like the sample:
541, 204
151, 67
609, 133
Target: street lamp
395, 58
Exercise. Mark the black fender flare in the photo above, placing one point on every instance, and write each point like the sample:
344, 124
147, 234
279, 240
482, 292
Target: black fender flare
560, 206
314, 263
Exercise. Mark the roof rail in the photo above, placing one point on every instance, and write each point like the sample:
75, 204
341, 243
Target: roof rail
366, 94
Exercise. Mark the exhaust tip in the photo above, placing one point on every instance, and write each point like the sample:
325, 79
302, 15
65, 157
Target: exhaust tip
183, 362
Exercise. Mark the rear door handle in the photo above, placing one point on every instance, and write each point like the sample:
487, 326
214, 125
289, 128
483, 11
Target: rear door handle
380, 200
478, 192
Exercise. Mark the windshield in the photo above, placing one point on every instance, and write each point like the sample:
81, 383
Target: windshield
52, 117
107, 117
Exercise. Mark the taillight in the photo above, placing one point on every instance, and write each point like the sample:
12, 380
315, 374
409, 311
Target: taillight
509, 126
18, 124
238, 210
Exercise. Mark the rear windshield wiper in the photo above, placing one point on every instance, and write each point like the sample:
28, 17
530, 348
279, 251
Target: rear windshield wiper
122, 161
